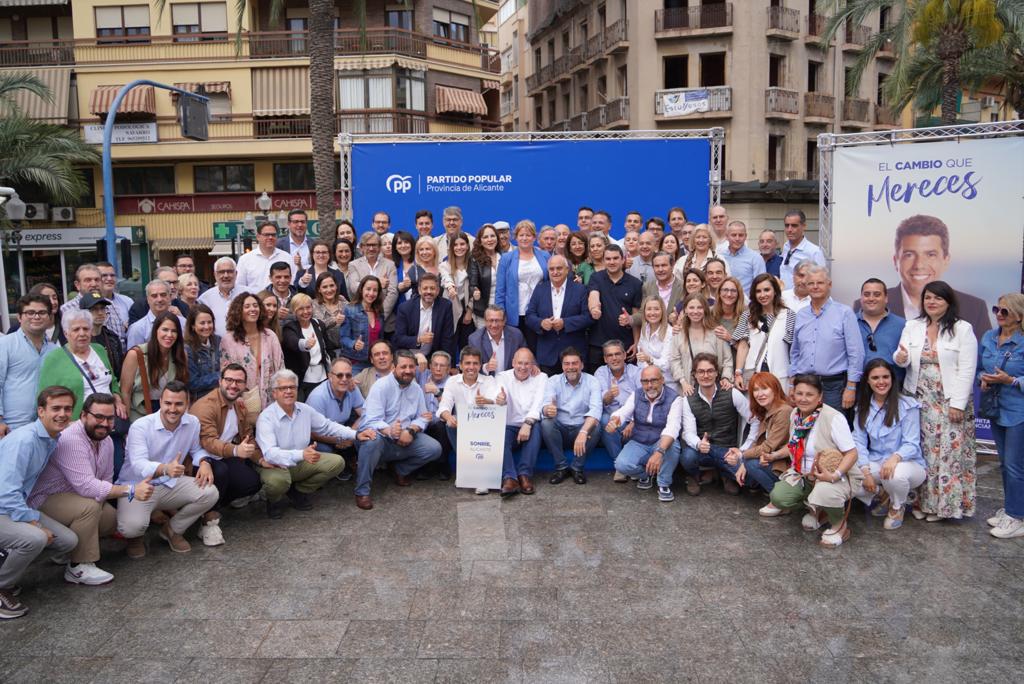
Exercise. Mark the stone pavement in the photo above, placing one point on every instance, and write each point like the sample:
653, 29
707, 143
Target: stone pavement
595, 583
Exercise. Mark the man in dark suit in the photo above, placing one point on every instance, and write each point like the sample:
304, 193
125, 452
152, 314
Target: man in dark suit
558, 313
497, 341
425, 325
664, 281
295, 242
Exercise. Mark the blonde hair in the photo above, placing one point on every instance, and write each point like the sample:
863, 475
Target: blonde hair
701, 228
1015, 303
299, 299
185, 278
527, 224
662, 328
427, 240
741, 303
708, 322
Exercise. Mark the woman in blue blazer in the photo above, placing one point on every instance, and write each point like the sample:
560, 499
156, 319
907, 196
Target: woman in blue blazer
519, 273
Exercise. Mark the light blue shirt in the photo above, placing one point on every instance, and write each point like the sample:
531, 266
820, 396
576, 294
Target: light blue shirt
574, 403
150, 443
26, 452
19, 376
140, 330
388, 401
876, 442
628, 384
431, 402
791, 256
323, 400
744, 265
827, 343
282, 438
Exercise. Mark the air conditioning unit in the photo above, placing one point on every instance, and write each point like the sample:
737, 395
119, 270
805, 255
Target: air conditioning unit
989, 102
63, 213
35, 211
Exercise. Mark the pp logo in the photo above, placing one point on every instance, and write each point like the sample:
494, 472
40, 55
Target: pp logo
398, 184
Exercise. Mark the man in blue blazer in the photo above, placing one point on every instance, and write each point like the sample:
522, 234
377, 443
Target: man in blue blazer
295, 242
438, 333
561, 328
496, 336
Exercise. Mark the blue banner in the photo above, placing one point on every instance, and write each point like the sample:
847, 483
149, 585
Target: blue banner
545, 181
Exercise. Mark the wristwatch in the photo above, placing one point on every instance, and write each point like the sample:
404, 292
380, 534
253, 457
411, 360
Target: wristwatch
530, 422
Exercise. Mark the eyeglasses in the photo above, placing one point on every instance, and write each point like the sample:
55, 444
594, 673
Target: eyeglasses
871, 342
286, 388
233, 381
705, 371
342, 376
268, 235
649, 381
999, 311
102, 418
35, 313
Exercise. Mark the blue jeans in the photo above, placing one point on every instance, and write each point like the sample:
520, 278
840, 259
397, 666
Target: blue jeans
611, 441
693, 461
423, 449
528, 451
762, 475
632, 461
556, 436
1010, 444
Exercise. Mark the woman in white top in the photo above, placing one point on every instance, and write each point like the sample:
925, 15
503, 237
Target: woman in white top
427, 261
701, 248
695, 336
655, 338
307, 352
456, 267
940, 352
764, 334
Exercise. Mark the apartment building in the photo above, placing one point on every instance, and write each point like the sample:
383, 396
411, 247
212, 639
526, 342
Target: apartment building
512, 22
420, 66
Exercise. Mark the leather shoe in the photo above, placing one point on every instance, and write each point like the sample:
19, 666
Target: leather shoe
509, 487
400, 480
559, 476
300, 500
578, 477
364, 502
526, 484
275, 509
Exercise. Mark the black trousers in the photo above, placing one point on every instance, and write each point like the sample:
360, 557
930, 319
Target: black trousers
436, 429
235, 478
529, 335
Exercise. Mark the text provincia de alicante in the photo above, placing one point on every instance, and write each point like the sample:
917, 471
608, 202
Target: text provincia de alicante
467, 183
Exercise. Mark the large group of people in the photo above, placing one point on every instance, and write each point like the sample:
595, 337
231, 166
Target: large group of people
680, 351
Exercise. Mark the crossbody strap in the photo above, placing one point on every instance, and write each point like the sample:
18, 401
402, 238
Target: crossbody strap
80, 369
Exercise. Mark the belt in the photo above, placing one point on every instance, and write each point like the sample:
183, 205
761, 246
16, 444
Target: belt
833, 378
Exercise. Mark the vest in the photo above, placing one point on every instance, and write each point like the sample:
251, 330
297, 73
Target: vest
776, 352
719, 420
647, 432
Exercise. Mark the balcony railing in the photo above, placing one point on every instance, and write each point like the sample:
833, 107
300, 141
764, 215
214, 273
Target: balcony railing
617, 110
37, 53
578, 122
781, 101
594, 47
562, 125
819, 106
886, 50
597, 117
884, 116
780, 174
682, 102
856, 110
856, 36
710, 16
816, 25
615, 34
784, 19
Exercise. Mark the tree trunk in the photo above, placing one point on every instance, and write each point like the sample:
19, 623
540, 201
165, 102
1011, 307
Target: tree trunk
321, 112
951, 48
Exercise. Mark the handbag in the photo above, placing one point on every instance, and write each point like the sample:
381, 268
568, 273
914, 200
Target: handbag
988, 407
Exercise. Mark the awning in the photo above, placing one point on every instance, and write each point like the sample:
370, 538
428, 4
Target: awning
210, 87
490, 85
280, 92
138, 100
182, 244
58, 81
459, 100
362, 62
31, 3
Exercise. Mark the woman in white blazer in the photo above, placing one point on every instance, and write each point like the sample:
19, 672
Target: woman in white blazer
940, 352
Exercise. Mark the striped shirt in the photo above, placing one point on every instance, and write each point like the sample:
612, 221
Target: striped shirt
78, 465
742, 330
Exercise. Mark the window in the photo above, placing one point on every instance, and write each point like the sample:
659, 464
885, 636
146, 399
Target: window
566, 105
676, 71
712, 70
451, 25
294, 176
776, 145
505, 12
812, 159
538, 63
399, 19
197, 18
879, 92
552, 115
225, 178
776, 71
538, 116
623, 82
144, 180
813, 76
87, 200
410, 90
551, 51
584, 103
220, 105
506, 60
122, 24
370, 91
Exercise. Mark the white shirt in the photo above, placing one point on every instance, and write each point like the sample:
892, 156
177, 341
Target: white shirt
672, 422
791, 256
230, 430
841, 437
150, 444
303, 250
457, 393
219, 304
793, 302
739, 400
96, 371
426, 320
254, 269
557, 299
529, 275
498, 349
283, 438
525, 397
315, 372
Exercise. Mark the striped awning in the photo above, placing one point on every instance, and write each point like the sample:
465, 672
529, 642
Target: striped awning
363, 62
182, 244
139, 100
31, 3
210, 87
490, 85
459, 100
280, 92
55, 111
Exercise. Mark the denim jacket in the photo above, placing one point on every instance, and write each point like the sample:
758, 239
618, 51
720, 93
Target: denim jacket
1010, 357
356, 325
203, 367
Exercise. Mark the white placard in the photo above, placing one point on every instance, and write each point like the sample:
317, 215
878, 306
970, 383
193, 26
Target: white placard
686, 103
123, 133
481, 446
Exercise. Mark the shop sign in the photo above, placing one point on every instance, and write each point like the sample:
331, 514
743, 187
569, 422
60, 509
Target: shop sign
123, 133
50, 238
180, 204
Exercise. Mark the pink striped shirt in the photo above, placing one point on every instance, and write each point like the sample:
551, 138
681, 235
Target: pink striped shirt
76, 466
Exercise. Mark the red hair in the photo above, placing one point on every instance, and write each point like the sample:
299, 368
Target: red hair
769, 381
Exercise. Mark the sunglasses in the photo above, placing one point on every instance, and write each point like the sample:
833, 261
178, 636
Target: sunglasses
789, 255
1001, 311
871, 342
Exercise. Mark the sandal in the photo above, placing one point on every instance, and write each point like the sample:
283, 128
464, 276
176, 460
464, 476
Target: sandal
832, 539
894, 520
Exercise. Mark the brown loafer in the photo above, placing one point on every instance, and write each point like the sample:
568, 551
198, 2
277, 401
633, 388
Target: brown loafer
177, 543
509, 487
364, 502
526, 484
400, 480
136, 547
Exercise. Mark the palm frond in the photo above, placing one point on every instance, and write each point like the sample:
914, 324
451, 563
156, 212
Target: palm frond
45, 155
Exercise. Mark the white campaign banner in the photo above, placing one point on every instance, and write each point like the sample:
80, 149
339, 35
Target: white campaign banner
480, 447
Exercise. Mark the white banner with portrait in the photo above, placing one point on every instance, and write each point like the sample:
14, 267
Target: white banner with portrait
481, 446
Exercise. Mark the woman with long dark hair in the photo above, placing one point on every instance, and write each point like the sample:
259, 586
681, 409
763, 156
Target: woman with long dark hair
483, 271
577, 251
202, 348
153, 365
364, 321
254, 347
403, 253
764, 333
306, 278
456, 267
344, 251
940, 352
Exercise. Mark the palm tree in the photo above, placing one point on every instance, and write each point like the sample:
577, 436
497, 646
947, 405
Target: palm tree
947, 29
37, 153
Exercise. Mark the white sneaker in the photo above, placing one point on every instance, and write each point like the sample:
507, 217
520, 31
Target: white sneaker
86, 573
810, 521
210, 533
771, 511
1008, 528
997, 518
482, 491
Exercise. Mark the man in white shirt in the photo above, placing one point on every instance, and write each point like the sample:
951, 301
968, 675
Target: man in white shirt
158, 296
117, 312
219, 297
798, 296
254, 266
284, 434
524, 395
797, 248
744, 263
718, 221
296, 243
382, 224
156, 449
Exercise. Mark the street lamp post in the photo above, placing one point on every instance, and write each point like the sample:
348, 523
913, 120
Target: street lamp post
15, 209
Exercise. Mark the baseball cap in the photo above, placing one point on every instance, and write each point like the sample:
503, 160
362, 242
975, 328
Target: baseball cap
501, 225
91, 299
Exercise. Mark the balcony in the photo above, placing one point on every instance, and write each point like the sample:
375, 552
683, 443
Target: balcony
560, 69
693, 103
557, 127
597, 117
538, 80
886, 117
784, 23
37, 53
855, 37
780, 174
815, 27
578, 122
780, 103
819, 108
704, 20
617, 113
886, 51
593, 48
615, 38
856, 112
